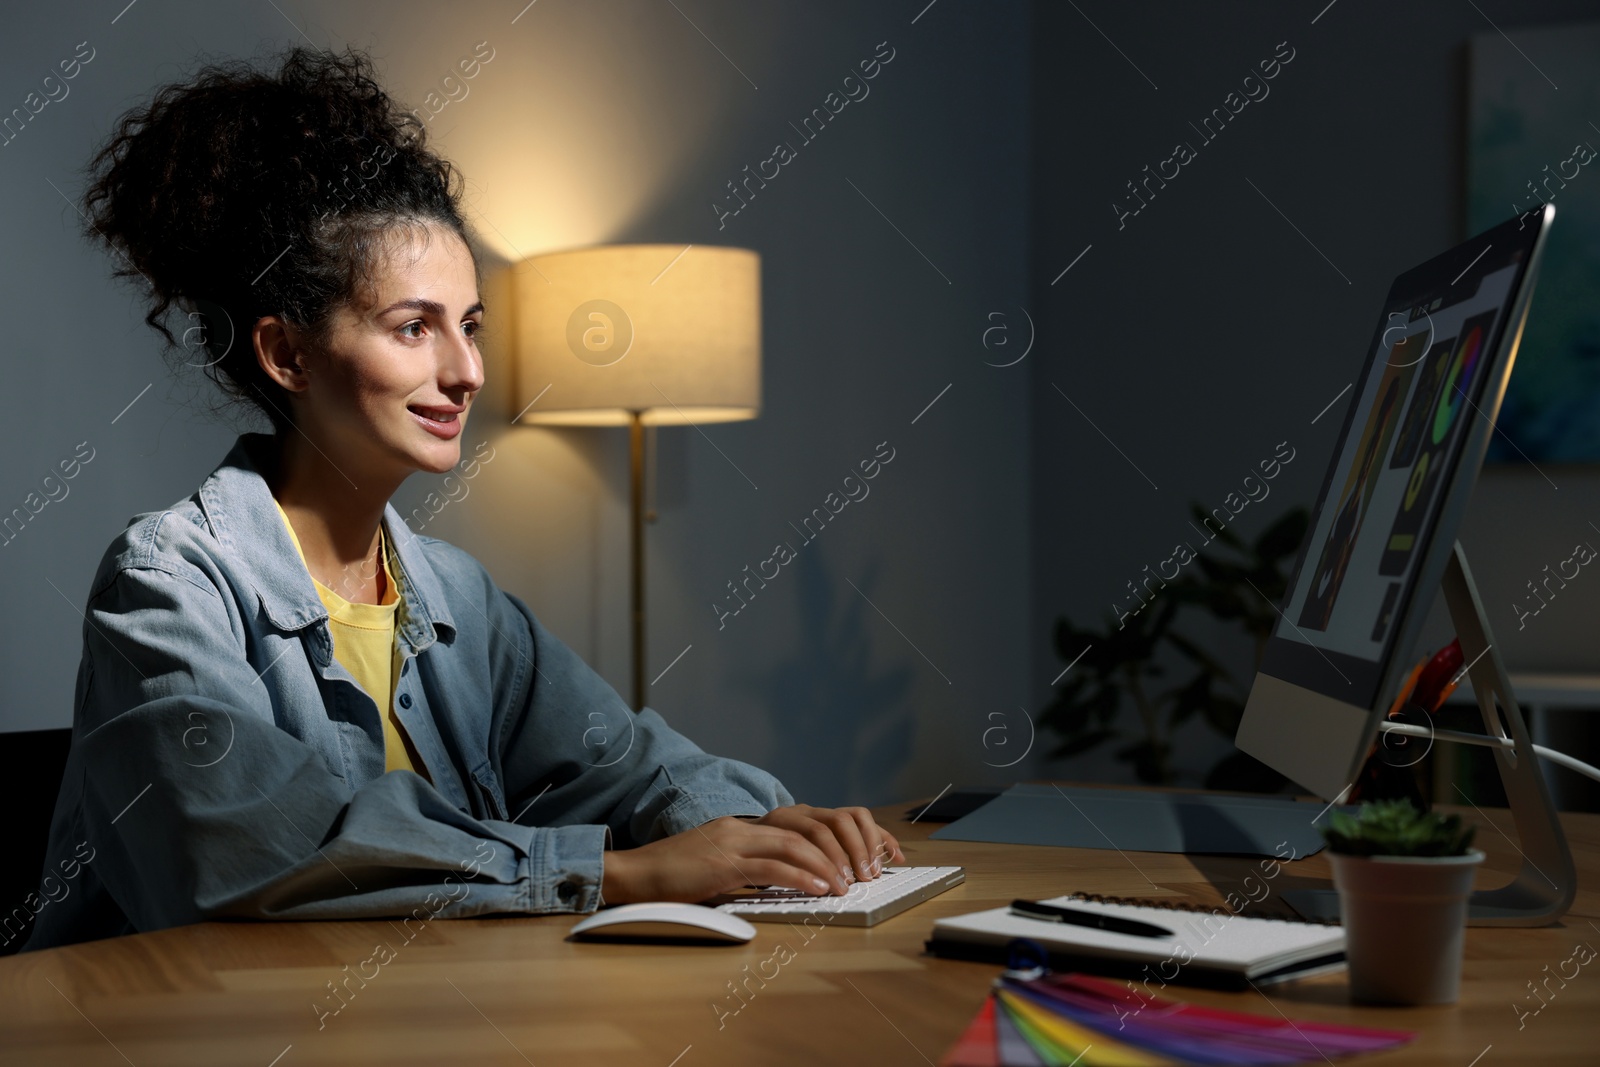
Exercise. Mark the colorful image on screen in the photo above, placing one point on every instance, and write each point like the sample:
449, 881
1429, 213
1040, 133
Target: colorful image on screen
1441, 420
1356, 496
1399, 448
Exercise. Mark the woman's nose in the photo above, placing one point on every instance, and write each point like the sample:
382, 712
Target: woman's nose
462, 367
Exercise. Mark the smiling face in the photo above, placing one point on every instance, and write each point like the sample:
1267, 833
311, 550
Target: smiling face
390, 390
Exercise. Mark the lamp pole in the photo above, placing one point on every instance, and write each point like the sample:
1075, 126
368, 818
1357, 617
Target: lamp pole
636, 537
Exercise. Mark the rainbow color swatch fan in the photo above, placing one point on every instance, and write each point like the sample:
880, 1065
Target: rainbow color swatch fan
1059, 1019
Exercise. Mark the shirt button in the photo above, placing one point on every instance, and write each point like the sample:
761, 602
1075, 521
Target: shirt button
566, 891
405, 700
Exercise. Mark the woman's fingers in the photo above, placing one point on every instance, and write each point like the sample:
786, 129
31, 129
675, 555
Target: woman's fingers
821, 835
800, 847
765, 872
883, 850
848, 834
822, 826
794, 849
848, 839
893, 851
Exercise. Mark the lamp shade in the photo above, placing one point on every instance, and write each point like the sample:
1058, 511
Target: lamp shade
672, 333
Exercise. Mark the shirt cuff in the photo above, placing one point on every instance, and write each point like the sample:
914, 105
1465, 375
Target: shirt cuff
562, 867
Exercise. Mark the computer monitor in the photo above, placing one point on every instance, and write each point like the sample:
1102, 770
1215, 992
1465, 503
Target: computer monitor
1382, 539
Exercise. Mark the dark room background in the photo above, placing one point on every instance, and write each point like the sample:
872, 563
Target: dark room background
956, 213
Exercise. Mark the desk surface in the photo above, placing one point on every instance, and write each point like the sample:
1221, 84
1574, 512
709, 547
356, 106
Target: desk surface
514, 991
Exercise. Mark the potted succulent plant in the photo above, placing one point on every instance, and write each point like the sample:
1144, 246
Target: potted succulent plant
1404, 877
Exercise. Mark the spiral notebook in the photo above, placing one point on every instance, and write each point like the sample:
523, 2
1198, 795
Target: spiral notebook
1209, 947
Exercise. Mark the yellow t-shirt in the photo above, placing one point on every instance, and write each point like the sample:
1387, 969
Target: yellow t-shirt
364, 644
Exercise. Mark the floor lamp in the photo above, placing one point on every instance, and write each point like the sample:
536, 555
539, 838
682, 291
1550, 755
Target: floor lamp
636, 335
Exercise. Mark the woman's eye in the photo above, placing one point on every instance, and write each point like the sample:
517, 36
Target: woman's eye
470, 326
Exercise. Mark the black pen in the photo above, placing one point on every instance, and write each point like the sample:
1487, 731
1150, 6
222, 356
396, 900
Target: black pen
1032, 909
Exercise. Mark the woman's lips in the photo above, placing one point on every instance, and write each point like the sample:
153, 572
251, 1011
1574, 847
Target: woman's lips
441, 422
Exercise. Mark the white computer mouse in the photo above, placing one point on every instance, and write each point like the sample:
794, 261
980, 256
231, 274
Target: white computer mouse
665, 921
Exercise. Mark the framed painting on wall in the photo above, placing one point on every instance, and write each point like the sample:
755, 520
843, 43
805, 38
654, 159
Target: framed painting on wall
1530, 141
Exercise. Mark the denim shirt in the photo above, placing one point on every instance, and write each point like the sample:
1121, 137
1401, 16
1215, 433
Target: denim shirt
225, 765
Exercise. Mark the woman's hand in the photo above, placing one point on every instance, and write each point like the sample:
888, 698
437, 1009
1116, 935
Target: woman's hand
814, 850
856, 846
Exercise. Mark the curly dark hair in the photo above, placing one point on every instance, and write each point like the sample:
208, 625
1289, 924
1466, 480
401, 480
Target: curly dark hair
238, 194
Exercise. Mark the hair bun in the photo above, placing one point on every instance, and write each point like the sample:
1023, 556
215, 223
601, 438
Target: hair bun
257, 193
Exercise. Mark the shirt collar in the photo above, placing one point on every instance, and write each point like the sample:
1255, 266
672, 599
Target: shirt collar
244, 519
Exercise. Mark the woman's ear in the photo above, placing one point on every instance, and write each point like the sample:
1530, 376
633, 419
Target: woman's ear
279, 354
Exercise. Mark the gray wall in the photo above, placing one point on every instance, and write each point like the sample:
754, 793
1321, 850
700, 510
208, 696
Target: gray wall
1196, 337
619, 122
1206, 329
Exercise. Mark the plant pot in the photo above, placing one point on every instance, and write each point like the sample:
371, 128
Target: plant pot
1405, 920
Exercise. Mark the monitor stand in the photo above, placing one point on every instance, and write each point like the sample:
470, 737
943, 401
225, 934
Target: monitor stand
1544, 887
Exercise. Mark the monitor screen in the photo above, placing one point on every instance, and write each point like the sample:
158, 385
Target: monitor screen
1420, 386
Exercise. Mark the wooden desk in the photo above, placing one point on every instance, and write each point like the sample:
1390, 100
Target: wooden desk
513, 991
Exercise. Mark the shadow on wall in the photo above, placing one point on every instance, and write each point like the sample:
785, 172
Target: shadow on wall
841, 730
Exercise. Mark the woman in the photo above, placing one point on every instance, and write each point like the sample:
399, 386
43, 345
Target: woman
290, 706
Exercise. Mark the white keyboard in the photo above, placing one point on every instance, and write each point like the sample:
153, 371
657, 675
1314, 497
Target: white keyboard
865, 904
